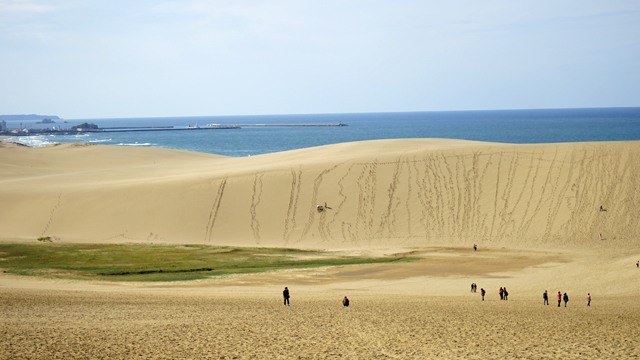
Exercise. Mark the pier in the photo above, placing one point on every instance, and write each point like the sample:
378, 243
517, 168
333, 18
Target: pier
260, 125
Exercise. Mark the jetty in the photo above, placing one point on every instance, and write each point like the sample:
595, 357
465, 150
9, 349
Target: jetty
265, 125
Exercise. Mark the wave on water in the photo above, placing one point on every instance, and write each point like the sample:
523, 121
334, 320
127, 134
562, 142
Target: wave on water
137, 144
32, 141
99, 140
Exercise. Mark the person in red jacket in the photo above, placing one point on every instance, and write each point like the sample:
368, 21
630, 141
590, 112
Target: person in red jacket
559, 298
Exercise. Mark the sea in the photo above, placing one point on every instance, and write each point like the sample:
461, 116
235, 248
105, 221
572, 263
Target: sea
504, 126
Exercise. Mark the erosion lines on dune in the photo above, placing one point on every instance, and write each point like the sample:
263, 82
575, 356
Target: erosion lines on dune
506, 218
541, 197
312, 207
366, 199
388, 219
495, 199
426, 202
439, 193
466, 195
255, 201
574, 197
53, 210
524, 224
341, 193
629, 203
560, 194
450, 195
290, 220
213, 214
408, 200
481, 218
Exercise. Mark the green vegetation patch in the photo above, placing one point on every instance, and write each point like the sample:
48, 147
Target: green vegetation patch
136, 262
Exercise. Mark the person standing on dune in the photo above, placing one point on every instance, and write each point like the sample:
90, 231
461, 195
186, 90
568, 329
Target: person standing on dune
559, 298
588, 299
565, 297
285, 294
482, 292
545, 298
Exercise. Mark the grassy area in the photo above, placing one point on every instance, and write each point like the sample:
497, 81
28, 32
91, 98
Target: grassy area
115, 262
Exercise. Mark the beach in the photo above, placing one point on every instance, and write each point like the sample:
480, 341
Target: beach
533, 210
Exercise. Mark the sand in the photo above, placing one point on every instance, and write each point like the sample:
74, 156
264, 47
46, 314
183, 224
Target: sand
533, 210
81, 325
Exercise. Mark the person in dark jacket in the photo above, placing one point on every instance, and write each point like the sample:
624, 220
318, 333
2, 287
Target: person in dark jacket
345, 301
545, 298
565, 297
285, 294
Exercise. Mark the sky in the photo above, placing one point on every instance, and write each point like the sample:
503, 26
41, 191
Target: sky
83, 59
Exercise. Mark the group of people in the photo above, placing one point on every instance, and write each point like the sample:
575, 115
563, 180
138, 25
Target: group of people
562, 297
504, 294
285, 294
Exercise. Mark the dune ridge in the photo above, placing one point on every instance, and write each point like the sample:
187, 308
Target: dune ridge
380, 194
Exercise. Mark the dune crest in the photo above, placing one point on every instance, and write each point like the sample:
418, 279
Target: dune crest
380, 194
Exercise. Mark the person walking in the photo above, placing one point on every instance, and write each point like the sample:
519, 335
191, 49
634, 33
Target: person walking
588, 299
285, 294
345, 301
637, 263
482, 292
506, 293
559, 298
565, 297
501, 294
471, 287
545, 298
475, 247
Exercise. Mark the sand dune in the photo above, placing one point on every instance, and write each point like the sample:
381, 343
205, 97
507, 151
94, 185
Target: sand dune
381, 194
532, 209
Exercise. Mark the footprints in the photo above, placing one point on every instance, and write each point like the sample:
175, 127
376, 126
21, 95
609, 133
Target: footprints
255, 201
214, 211
497, 194
290, 220
53, 211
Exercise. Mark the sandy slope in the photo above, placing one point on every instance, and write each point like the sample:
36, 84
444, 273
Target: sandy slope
381, 194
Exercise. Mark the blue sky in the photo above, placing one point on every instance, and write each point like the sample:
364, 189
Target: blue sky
98, 59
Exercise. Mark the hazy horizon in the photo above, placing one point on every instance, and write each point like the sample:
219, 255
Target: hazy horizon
91, 60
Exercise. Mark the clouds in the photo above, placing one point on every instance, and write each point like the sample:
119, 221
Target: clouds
150, 58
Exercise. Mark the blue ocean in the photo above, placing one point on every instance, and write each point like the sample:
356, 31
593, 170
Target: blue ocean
506, 126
